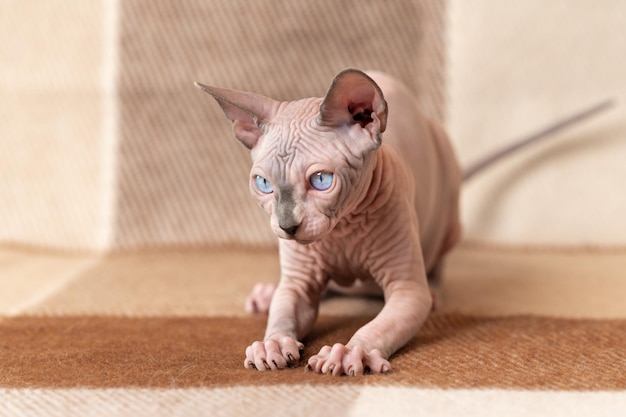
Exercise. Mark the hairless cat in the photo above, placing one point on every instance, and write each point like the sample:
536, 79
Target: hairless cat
352, 211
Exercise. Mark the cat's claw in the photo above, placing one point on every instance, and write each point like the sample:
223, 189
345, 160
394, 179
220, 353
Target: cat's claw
273, 354
341, 360
258, 302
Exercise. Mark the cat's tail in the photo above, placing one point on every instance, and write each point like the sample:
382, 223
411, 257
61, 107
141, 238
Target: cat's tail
497, 155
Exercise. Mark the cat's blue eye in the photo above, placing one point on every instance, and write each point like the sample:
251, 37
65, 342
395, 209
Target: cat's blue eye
321, 181
263, 185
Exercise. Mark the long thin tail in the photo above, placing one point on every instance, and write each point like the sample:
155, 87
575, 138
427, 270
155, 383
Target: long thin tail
490, 159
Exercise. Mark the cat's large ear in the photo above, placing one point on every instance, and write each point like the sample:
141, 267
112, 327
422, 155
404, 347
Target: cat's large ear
354, 98
247, 111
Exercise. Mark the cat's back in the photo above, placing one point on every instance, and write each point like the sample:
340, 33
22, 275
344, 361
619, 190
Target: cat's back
420, 142
427, 154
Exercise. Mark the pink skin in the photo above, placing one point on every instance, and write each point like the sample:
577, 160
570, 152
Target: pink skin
388, 215
258, 302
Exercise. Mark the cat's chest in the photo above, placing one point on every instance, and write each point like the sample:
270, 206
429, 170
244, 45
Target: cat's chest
343, 269
343, 256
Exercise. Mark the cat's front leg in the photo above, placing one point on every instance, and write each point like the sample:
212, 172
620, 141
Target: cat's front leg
292, 312
291, 316
407, 304
273, 354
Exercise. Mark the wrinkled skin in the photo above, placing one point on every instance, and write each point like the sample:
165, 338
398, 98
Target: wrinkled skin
382, 221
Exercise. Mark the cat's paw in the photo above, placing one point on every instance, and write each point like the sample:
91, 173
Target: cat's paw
341, 360
437, 297
273, 354
258, 302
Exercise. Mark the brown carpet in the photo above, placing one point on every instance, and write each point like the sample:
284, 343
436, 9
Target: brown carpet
163, 333
451, 351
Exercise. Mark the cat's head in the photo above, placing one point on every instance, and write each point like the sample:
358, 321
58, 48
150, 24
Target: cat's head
311, 158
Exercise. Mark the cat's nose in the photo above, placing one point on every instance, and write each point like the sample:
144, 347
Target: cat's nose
290, 230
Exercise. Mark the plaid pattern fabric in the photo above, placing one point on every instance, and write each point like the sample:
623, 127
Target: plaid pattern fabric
129, 241
520, 332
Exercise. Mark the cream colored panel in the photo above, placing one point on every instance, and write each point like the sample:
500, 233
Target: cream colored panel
50, 122
515, 67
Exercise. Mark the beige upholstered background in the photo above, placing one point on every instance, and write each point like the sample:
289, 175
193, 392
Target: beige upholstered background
516, 66
105, 144
55, 123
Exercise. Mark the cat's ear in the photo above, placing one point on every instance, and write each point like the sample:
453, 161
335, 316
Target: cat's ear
354, 98
247, 111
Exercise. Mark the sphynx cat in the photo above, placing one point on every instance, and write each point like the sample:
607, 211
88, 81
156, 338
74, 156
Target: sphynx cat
352, 212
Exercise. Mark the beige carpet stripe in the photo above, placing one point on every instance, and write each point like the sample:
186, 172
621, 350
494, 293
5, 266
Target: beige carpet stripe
29, 278
346, 400
577, 283
206, 282
449, 352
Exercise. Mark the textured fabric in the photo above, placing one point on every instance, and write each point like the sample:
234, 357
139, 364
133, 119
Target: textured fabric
449, 352
520, 331
52, 123
290, 400
196, 191
107, 144
514, 68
